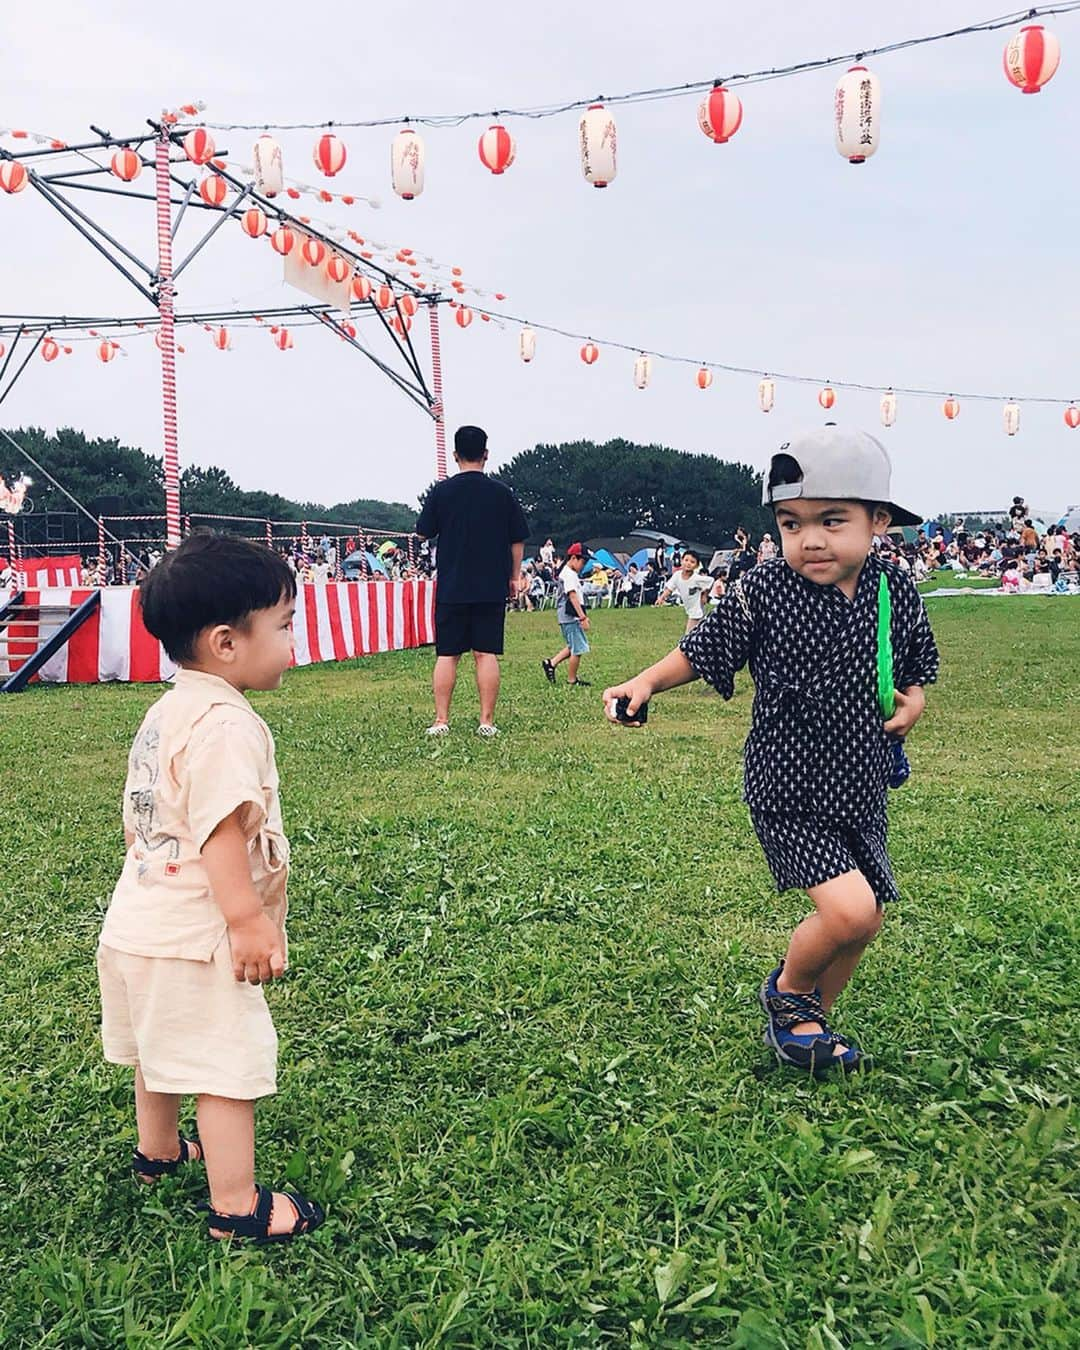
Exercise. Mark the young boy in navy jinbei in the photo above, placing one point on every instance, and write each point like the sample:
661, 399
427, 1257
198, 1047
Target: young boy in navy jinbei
819, 754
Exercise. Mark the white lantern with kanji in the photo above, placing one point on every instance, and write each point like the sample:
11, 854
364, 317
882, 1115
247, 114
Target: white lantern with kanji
1011, 414
599, 145
766, 393
720, 114
1031, 58
527, 344
496, 149
888, 408
329, 155
857, 114
407, 164
268, 175
642, 371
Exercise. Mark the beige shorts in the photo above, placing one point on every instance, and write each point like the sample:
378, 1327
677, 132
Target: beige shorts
189, 1025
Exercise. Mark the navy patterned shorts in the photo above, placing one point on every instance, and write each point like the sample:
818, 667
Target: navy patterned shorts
804, 851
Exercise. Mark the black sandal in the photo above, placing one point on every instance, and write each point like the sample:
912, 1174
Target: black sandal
256, 1225
149, 1169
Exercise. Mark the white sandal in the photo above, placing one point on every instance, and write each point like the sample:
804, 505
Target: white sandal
487, 732
438, 729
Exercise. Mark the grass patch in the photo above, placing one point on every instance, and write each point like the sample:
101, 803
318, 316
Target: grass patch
521, 1060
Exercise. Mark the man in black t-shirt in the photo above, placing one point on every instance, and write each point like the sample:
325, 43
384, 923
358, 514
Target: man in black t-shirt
481, 531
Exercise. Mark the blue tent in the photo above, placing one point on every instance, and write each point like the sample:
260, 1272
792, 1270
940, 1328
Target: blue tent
640, 558
605, 559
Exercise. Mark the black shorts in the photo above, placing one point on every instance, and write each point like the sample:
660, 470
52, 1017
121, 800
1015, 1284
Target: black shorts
804, 851
469, 628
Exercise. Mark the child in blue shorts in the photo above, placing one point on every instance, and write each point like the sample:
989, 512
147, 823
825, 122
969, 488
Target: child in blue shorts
573, 620
819, 754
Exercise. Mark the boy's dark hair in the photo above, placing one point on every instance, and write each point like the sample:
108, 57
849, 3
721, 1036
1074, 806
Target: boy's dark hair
692, 553
210, 579
470, 444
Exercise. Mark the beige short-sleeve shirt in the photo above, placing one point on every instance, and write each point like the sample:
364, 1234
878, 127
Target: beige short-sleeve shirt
201, 753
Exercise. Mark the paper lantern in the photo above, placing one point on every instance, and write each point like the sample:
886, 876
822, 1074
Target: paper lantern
106, 350
282, 241
951, 408
384, 296
13, 177
253, 222
463, 317
283, 339
401, 327
267, 159
407, 164
314, 251
348, 329
496, 147
642, 371
329, 155
199, 146
1011, 414
221, 340
527, 344
50, 349
720, 114
407, 305
826, 397
766, 392
599, 143
1031, 58
857, 114
361, 289
590, 353
704, 377
1072, 414
3, 350
126, 164
213, 189
888, 408
337, 269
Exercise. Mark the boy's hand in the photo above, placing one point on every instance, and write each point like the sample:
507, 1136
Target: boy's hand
584, 621
258, 953
637, 691
910, 705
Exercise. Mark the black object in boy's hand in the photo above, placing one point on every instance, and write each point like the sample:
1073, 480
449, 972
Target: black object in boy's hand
639, 718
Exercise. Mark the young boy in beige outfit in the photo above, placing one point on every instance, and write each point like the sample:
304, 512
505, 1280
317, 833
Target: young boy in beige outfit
196, 924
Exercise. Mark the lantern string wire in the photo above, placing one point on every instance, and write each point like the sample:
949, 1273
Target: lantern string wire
736, 78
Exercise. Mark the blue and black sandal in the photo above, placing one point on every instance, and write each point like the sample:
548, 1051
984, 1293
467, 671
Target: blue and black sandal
815, 1051
255, 1227
148, 1170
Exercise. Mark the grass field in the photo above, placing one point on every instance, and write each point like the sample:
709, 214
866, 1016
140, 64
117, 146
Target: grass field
521, 1056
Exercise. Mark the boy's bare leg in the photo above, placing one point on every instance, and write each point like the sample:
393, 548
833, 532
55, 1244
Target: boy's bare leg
487, 685
827, 946
227, 1133
562, 656
571, 669
442, 684
158, 1118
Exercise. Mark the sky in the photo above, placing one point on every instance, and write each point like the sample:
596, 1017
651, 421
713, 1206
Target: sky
947, 261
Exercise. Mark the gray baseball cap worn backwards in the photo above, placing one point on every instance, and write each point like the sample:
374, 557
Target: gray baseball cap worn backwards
837, 465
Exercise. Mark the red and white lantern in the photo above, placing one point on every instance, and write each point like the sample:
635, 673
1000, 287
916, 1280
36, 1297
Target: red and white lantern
361, 289
314, 251
253, 222
199, 146
1031, 58
50, 349
527, 344
268, 176
951, 408
642, 371
407, 164
598, 140
106, 350
1072, 417
463, 317
213, 189
1011, 415
590, 353
337, 269
222, 341
496, 148
126, 164
13, 177
401, 327
384, 296
888, 408
704, 377
720, 114
407, 305
766, 393
826, 397
857, 114
283, 240
329, 155
283, 340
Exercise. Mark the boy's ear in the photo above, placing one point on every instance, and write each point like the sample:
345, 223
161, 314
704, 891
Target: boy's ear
882, 518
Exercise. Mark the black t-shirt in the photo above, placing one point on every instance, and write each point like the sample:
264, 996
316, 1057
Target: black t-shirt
475, 520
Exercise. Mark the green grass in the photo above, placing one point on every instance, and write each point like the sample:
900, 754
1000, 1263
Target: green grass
520, 1053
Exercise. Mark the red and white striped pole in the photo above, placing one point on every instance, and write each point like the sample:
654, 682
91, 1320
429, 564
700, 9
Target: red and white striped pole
167, 339
437, 391
269, 534
100, 551
13, 547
